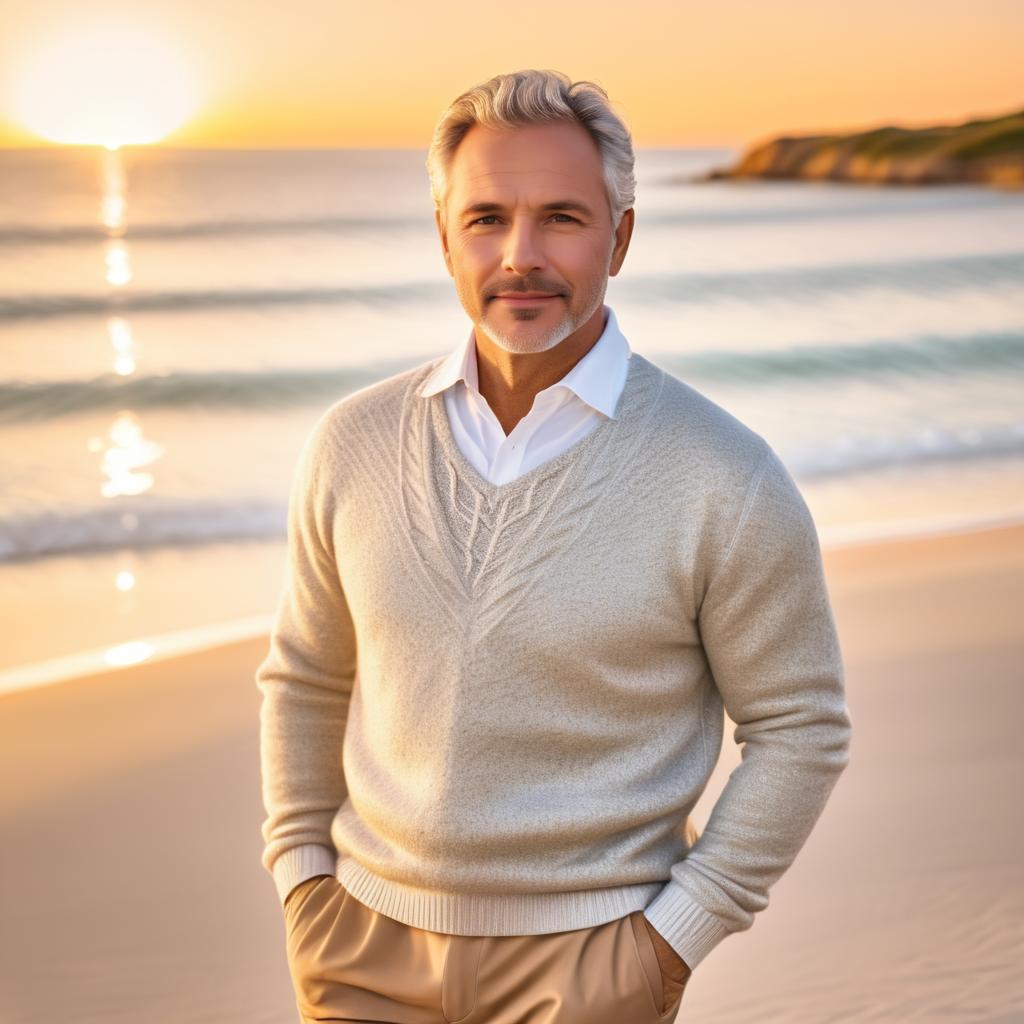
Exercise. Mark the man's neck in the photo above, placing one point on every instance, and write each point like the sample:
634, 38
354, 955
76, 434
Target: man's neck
509, 382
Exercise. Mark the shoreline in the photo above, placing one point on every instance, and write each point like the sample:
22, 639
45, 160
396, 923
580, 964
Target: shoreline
837, 541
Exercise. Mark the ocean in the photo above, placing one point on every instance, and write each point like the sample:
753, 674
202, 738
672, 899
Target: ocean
173, 321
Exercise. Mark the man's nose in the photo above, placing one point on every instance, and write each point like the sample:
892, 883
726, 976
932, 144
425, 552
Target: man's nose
524, 250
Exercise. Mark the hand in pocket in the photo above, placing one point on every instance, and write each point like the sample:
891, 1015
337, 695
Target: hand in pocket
675, 972
299, 895
311, 909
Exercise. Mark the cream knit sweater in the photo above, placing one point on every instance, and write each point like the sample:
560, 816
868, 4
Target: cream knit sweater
490, 708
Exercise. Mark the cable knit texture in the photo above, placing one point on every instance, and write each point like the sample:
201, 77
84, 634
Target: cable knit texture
489, 709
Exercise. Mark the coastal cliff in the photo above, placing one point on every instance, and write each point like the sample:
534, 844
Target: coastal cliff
984, 151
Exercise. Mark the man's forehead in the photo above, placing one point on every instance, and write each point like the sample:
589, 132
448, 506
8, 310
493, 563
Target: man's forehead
481, 176
545, 185
479, 181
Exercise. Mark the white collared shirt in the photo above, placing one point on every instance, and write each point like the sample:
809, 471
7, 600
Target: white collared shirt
561, 414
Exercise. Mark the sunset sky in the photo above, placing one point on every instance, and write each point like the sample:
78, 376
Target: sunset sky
304, 73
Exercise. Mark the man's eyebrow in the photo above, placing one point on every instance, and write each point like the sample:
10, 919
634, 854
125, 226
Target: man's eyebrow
560, 204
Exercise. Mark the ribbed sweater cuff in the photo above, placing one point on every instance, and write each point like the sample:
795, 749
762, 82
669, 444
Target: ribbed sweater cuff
688, 928
299, 863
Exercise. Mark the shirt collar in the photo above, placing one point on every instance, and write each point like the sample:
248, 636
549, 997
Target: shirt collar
593, 378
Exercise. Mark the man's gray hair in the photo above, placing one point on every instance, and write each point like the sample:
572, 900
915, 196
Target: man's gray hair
528, 97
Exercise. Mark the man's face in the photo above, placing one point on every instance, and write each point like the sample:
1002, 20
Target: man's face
546, 229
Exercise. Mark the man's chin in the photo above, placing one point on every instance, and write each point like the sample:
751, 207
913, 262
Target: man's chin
525, 341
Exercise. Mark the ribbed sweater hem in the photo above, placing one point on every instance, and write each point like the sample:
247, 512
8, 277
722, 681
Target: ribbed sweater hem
492, 913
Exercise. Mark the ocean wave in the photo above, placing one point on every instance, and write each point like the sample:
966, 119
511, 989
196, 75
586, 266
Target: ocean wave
138, 523
943, 276
928, 446
65, 234
835, 201
936, 276
933, 356
232, 389
148, 521
838, 204
119, 303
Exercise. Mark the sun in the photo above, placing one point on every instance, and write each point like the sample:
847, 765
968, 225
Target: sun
108, 86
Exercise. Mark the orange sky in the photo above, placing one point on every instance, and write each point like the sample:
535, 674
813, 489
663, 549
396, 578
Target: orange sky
332, 73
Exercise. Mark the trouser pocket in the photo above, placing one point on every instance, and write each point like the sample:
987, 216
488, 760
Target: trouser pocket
459, 981
648, 956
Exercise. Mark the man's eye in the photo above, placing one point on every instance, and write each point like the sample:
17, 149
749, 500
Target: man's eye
491, 216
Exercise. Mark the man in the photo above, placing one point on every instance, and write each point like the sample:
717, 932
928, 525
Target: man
525, 580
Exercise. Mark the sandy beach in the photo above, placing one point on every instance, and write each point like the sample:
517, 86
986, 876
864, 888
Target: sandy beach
133, 891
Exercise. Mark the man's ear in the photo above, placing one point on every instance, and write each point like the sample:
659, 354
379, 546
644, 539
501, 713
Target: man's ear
444, 242
623, 233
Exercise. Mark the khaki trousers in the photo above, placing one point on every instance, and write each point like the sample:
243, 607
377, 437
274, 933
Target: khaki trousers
351, 963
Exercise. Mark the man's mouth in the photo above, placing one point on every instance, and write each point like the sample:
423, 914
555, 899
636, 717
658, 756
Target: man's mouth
525, 298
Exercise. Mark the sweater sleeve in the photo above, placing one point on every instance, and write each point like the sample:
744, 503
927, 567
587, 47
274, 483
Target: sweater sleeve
768, 633
306, 681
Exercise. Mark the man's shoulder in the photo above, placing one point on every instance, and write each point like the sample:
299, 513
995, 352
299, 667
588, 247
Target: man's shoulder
699, 435
378, 404
709, 456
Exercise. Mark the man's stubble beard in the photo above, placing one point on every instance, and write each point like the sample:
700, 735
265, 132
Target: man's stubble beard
521, 346
566, 326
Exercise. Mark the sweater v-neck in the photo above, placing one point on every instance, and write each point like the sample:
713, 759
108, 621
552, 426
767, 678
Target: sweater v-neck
476, 542
579, 452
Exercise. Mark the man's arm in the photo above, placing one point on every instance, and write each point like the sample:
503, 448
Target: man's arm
769, 636
306, 680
